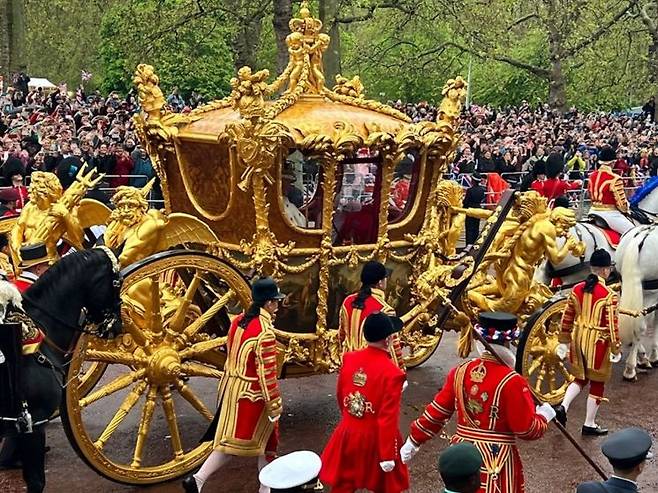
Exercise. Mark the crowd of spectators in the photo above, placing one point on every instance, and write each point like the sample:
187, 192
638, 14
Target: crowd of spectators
517, 140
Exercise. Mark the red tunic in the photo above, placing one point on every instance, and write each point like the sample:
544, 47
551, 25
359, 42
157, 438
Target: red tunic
552, 188
494, 406
24, 281
248, 390
589, 324
607, 190
350, 332
369, 393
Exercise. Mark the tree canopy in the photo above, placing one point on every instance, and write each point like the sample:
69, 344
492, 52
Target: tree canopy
588, 53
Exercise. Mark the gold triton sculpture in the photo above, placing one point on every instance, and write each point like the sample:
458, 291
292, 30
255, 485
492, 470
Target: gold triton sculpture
231, 173
53, 214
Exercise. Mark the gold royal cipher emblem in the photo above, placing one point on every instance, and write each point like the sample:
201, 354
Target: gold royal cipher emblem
357, 405
359, 378
479, 373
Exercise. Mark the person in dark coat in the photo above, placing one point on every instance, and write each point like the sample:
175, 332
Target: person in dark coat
627, 451
474, 198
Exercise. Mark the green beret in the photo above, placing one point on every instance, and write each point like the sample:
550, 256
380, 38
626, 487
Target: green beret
459, 461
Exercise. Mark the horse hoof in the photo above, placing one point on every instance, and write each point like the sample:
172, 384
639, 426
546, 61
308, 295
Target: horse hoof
630, 379
645, 365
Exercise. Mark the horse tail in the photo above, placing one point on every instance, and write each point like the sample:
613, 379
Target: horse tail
628, 256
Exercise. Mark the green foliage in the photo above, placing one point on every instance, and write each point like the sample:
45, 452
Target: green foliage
191, 53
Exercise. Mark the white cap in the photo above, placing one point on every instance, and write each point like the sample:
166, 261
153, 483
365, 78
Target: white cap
288, 471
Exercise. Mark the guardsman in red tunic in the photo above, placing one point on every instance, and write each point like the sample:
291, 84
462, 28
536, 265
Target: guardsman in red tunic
250, 403
34, 262
364, 449
606, 189
553, 186
590, 335
356, 307
494, 407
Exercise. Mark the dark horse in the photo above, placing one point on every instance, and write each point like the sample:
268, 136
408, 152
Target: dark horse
79, 294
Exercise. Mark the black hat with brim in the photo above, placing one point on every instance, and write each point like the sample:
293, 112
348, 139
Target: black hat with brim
265, 289
600, 258
460, 461
378, 326
34, 255
627, 448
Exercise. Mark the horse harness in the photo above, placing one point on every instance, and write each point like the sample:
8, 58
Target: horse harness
649, 284
575, 268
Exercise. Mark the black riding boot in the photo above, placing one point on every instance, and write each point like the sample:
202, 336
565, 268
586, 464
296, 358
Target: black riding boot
32, 447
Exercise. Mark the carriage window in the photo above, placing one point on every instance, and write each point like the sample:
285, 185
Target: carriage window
403, 187
301, 191
357, 200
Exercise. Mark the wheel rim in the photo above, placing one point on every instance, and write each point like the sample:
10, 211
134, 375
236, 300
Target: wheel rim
547, 375
419, 345
155, 371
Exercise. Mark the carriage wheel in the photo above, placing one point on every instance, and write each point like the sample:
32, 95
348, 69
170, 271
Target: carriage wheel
142, 421
420, 345
547, 375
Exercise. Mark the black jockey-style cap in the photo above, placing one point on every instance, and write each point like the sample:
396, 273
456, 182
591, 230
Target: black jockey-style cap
373, 272
378, 326
34, 255
600, 258
265, 289
627, 448
607, 154
460, 461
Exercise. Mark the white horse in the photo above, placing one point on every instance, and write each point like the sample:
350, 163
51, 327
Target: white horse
636, 261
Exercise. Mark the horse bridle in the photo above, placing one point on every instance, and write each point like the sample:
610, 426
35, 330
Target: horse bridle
100, 329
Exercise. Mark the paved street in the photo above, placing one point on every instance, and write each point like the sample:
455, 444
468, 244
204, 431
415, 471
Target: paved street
551, 465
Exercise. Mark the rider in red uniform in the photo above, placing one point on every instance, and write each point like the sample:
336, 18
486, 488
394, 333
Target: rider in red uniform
494, 407
34, 262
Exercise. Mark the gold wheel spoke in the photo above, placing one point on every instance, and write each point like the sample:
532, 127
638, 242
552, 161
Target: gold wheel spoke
199, 323
192, 369
144, 425
121, 358
540, 379
564, 371
178, 318
188, 394
170, 416
202, 347
534, 366
552, 382
121, 382
155, 313
127, 404
537, 349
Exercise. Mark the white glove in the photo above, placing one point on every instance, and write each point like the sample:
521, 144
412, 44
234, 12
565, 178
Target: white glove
408, 451
562, 351
387, 465
547, 411
405, 384
615, 358
273, 419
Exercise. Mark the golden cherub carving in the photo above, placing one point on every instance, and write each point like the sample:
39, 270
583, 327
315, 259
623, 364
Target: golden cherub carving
349, 87
454, 95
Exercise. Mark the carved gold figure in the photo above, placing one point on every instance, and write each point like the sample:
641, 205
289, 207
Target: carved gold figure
52, 214
534, 238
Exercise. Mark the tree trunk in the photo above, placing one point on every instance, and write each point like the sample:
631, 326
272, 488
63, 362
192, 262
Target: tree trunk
280, 21
245, 42
332, 65
17, 42
557, 92
5, 39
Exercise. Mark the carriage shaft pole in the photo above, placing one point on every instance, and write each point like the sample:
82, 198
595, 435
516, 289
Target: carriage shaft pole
559, 426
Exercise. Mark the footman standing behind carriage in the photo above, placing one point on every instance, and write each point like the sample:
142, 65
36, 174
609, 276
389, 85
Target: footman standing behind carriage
494, 407
356, 308
590, 332
363, 451
250, 403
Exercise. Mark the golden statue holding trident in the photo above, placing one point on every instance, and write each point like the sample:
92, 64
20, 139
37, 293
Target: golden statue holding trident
52, 213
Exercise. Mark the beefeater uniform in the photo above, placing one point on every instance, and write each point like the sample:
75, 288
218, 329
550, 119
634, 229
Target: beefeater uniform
609, 202
369, 393
494, 407
350, 331
249, 391
590, 326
